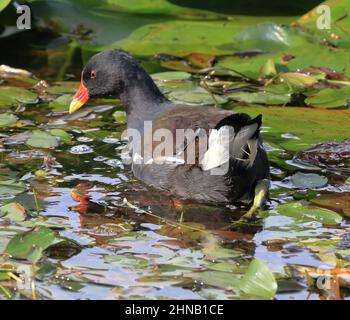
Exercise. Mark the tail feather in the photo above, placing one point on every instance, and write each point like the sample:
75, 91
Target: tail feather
235, 137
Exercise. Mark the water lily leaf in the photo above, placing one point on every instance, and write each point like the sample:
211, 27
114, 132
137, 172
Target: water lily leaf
200, 60
197, 97
171, 75
13, 96
63, 135
305, 124
4, 4
120, 117
21, 245
308, 180
61, 103
219, 252
127, 261
41, 139
339, 11
297, 80
269, 36
225, 280
268, 69
260, 97
330, 98
7, 119
258, 281
223, 266
301, 213
11, 187
67, 87
339, 202
13, 211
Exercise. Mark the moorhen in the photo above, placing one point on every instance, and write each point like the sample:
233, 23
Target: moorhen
226, 171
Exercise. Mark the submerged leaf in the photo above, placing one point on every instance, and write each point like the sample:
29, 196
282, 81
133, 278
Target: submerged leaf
127, 261
308, 180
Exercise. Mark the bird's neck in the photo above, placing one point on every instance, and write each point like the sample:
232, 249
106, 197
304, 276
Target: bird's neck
141, 98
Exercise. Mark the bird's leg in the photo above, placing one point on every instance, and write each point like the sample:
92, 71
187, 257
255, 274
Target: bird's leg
261, 193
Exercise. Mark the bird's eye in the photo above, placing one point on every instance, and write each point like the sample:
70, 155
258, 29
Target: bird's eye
93, 74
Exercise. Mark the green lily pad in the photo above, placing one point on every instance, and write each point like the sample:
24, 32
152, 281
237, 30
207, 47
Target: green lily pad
23, 245
4, 4
297, 80
171, 75
13, 96
11, 187
41, 139
120, 117
61, 87
62, 135
339, 11
308, 180
61, 103
7, 119
258, 281
330, 98
127, 261
268, 69
260, 97
13, 211
301, 213
307, 125
269, 36
197, 97
225, 280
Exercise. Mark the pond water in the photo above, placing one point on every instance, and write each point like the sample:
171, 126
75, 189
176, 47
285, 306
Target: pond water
69, 176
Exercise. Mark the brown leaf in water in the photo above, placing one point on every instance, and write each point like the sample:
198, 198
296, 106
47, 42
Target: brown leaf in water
338, 202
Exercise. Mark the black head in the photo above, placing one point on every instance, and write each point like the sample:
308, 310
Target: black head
104, 76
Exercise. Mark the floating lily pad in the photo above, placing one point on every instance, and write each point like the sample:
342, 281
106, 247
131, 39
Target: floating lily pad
31, 243
260, 97
7, 119
301, 213
225, 280
61, 103
308, 180
127, 261
258, 281
4, 4
269, 36
13, 212
307, 124
120, 117
13, 96
330, 98
62, 135
41, 139
171, 75
11, 187
197, 97
297, 80
339, 202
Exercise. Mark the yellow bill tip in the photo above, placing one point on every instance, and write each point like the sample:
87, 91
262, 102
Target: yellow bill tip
75, 105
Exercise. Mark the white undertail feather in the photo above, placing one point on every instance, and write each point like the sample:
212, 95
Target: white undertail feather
225, 144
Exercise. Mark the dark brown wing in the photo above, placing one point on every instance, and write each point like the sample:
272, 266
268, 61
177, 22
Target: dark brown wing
188, 117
